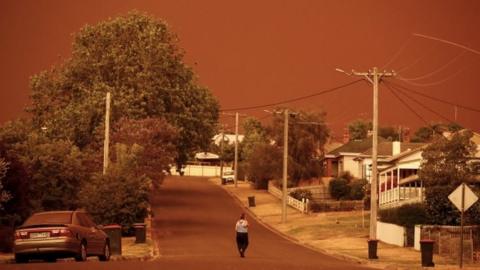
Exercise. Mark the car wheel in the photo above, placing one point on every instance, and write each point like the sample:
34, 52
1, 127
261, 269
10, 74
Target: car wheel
82, 253
21, 258
106, 253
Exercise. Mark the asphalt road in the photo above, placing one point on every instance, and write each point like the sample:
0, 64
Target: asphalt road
194, 227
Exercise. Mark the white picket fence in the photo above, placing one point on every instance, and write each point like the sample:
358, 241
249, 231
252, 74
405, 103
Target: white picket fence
302, 206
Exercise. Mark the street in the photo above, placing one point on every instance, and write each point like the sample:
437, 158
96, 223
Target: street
193, 225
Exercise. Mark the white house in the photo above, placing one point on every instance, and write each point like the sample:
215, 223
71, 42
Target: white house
399, 183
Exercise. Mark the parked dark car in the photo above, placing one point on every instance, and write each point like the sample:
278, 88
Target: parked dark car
60, 234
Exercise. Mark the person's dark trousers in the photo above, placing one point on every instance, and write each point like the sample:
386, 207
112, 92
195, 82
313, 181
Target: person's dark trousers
242, 243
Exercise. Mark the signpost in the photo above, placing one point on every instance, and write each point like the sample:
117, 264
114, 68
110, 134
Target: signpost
463, 198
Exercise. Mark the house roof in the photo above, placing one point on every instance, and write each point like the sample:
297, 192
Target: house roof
356, 146
206, 156
386, 148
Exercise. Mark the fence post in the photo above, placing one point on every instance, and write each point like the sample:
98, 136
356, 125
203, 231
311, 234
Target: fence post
471, 242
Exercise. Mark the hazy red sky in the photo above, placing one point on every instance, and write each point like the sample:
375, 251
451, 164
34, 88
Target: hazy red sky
255, 52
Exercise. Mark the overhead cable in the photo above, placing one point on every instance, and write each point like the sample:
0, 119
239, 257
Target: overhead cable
293, 99
434, 98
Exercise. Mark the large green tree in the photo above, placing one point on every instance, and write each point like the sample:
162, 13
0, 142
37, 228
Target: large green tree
358, 129
4, 195
255, 134
157, 140
446, 164
429, 132
308, 134
264, 164
137, 58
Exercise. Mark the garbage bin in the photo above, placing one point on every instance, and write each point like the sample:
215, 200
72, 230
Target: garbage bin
372, 249
114, 233
140, 232
426, 248
251, 201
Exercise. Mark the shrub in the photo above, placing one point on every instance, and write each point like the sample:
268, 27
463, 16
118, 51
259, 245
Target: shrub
120, 196
319, 207
327, 206
300, 194
263, 165
339, 188
407, 215
439, 209
357, 189
117, 199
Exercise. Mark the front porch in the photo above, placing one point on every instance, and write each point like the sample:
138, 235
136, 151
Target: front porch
398, 186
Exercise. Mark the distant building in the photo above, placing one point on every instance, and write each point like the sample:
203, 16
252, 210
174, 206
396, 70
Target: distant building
228, 138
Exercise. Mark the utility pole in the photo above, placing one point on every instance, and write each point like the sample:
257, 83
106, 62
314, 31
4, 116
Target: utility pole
236, 150
374, 77
106, 142
285, 166
455, 113
221, 152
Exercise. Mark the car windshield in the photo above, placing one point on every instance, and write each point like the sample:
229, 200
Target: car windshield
228, 173
49, 218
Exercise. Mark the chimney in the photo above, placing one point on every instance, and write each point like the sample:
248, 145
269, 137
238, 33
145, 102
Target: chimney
346, 135
396, 149
406, 135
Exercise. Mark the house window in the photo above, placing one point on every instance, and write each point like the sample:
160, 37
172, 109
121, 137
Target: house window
367, 172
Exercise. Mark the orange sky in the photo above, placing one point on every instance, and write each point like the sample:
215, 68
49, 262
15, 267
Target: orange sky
254, 52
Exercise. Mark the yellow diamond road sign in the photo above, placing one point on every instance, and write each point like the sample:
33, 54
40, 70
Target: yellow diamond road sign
456, 197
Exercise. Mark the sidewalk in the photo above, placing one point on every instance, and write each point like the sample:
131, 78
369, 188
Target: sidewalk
336, 233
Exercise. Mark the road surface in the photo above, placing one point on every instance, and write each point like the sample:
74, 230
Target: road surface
193, 225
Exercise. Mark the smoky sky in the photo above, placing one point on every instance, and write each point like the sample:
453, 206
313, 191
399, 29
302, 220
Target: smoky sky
251, 53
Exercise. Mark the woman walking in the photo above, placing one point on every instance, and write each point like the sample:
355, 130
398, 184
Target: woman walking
242, 235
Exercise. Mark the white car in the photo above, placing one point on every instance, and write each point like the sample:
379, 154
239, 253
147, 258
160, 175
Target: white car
228, 177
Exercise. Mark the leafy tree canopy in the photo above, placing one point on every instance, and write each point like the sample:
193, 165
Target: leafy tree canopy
389, 133
446, 165
129, 202
4, 195
55, 169
446, 160
137, 59
255, 134
15, 185
308, 134
359, 128
157, 141
429, 132
264, 164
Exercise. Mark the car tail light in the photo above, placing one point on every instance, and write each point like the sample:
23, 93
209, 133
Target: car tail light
21, 235
60, 232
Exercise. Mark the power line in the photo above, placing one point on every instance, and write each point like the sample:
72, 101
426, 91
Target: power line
406, 105
447, 42
434, 98
436, 70
423, 105
293, 99
397, 54
432, 83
